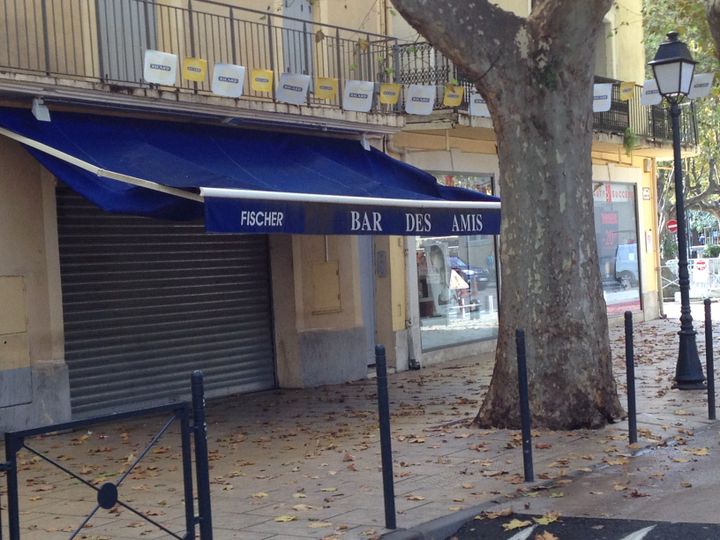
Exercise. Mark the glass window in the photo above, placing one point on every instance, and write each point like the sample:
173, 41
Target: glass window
457, 281
616, 233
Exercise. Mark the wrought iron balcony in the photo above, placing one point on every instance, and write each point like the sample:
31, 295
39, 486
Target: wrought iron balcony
421, 63
104, 41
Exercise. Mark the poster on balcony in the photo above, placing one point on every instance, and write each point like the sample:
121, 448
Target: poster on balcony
478, 106
453, 95
419, 99
160, 68
650, 94
228, 80
358, 96
702, 83
261, 80
389, 93
293, 88
326, 88
627, 90
602, 97
194, 69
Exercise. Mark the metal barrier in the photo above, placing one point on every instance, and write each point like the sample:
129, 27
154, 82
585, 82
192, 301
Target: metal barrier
108, 494
421, 63
105, 40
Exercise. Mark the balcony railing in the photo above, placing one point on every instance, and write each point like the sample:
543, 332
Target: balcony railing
421, 63
105, 40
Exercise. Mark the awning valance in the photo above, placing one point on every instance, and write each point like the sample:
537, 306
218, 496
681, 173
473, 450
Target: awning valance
249, 180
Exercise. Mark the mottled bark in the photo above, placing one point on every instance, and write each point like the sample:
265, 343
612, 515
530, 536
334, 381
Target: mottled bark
537, 76
712, 9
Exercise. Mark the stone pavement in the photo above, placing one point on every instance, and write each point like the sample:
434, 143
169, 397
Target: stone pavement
292, 464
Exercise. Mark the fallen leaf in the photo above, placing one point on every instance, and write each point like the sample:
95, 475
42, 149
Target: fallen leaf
516, 524
556, 494
285, 518
545, 535
547, 519
494, 515
415, 498
260, 495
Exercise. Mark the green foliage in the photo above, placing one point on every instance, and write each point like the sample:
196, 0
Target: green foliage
629, 140
712, 251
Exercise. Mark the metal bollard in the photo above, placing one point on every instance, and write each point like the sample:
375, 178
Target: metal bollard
709, 361
201, 456
12, 447
524, 406
385, 440
630, 373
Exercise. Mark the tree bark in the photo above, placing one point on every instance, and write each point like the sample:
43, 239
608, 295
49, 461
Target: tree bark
536, 76
712, 9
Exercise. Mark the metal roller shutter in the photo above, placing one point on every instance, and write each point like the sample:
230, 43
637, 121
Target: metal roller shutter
147, 301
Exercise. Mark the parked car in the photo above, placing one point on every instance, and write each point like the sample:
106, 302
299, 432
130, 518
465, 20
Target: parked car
476, 275
626, 265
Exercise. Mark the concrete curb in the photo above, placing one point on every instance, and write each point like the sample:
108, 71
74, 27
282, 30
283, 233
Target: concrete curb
440, 528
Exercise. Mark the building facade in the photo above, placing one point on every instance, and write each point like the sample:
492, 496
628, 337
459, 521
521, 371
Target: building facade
111, 311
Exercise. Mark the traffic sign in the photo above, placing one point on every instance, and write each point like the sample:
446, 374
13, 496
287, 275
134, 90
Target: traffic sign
672, 225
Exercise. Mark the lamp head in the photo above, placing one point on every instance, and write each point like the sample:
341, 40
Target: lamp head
673, 68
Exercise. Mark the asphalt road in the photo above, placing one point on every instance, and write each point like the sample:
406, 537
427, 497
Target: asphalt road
587, 529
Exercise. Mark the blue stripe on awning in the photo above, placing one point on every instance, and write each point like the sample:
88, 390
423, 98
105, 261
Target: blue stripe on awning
189, 156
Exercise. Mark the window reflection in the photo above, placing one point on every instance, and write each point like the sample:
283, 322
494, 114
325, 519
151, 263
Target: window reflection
616, 234
457, 283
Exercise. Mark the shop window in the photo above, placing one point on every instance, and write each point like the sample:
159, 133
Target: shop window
457, 281
617, 244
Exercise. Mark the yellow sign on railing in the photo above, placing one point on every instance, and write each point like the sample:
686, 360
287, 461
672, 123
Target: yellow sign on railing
389, 93
453, 95
261, 80
326, 88
194, 69
627, 90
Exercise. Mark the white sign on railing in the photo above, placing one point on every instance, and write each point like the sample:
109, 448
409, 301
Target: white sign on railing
160, 68
419, 99
650, 94
358, 96
228, 80
293, 88
602, 97
478, 106
702, 83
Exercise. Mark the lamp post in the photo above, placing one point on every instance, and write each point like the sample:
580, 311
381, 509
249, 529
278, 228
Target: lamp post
673, 69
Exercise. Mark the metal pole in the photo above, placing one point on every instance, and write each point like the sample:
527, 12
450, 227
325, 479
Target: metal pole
385, 443
688, 371
630, 373
11, 448
524, 405
709, 360
185, 437
201, 455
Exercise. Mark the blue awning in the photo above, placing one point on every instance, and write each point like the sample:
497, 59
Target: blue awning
246, 180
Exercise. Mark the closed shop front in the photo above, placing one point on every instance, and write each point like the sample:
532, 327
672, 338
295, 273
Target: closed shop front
147, 301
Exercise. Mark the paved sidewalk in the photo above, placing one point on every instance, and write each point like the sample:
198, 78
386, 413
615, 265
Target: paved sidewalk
293, 464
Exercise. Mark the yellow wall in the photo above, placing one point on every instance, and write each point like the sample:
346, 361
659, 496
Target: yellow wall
310, 254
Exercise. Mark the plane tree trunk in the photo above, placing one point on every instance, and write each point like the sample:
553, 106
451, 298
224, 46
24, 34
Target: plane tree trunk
712, 9
536, 75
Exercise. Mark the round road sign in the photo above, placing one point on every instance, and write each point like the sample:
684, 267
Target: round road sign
672, 225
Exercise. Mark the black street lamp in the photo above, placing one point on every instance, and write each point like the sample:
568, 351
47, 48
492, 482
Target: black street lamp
673, 68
